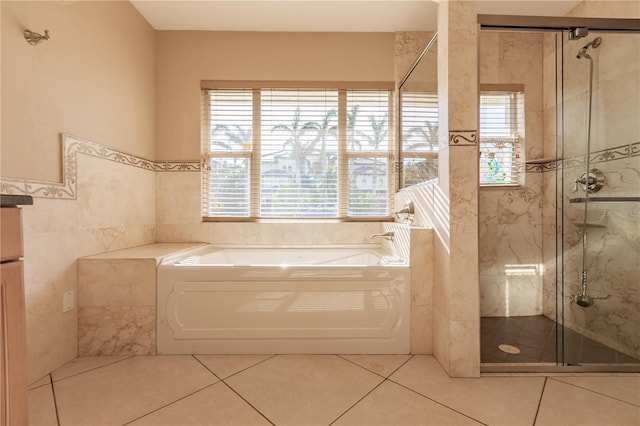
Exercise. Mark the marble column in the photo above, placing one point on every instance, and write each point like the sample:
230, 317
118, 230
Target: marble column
456, 288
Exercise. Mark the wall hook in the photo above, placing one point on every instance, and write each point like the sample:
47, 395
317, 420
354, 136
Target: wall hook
35, 38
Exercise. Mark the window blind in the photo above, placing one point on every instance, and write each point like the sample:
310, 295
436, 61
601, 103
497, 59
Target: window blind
368, 150
501, 130
419, 124
299, 148
296, 153
227, 147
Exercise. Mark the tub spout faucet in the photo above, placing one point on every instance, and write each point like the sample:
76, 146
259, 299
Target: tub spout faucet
387, 235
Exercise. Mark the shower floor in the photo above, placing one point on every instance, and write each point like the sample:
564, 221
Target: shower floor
535, 337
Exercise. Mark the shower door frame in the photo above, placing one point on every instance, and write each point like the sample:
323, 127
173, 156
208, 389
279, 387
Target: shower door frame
561, 26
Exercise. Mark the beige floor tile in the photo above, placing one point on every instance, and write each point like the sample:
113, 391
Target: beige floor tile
492, 400
383, 365
84, 364
623, 388
225, 365
393, 405
565, 405
215, 405
42, 410
126, 390
303, 389
41, 382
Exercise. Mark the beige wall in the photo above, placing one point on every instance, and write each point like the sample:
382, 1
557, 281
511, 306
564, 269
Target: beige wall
185, 58
627, 9
94, 78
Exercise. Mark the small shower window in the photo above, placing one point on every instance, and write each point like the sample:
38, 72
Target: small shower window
501, 137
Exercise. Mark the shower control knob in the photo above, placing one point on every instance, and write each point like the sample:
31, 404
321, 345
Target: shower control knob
591, 183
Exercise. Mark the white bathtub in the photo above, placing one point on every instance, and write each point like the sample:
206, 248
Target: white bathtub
326, 299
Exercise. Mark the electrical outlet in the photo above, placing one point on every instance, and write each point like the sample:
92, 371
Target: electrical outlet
67, 301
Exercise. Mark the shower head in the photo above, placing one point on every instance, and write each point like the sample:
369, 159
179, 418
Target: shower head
582, 52
584, 300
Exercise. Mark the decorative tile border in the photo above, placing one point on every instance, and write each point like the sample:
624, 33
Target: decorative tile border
71, 147
177, 166
463, 137
611, 154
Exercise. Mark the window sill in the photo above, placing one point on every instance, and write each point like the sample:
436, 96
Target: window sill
503, 186
295, 220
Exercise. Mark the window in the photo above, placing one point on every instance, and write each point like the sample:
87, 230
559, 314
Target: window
296, 153
501, 136
419, 124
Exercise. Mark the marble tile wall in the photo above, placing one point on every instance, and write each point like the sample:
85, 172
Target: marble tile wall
408, 47
117, 300
613, 250
613, 238
116, 307
511, 217
101, 206
456, 288
416, 244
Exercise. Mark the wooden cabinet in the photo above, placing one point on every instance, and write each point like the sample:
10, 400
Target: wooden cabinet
13, 346
10, 234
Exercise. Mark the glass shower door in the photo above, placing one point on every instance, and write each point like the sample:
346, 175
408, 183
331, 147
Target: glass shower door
598, 194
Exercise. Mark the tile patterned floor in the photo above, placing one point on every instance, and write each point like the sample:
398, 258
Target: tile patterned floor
311, 390
535, 337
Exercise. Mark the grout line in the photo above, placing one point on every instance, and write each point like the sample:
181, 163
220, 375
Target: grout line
55, 401
592, 391
247, 402
438, 402
41, 386
91, 369
399, 367
207, 368
358, 401
544, 385
371, 371
374, 388
233, 390
237, 372
170, 403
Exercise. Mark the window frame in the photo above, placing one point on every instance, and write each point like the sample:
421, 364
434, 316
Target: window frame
517, 130
254, 154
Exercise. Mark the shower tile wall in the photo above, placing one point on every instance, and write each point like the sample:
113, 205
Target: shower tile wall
613, 230
511, 217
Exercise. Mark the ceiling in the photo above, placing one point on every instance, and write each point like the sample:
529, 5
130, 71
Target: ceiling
322, 15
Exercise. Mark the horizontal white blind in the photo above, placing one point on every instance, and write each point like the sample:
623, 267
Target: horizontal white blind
283, 153
419, 112
368, 152
227, 142
419, 122
501, 129
299, 148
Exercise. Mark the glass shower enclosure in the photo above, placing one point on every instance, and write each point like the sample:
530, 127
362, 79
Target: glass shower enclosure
580, 283
597, 181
